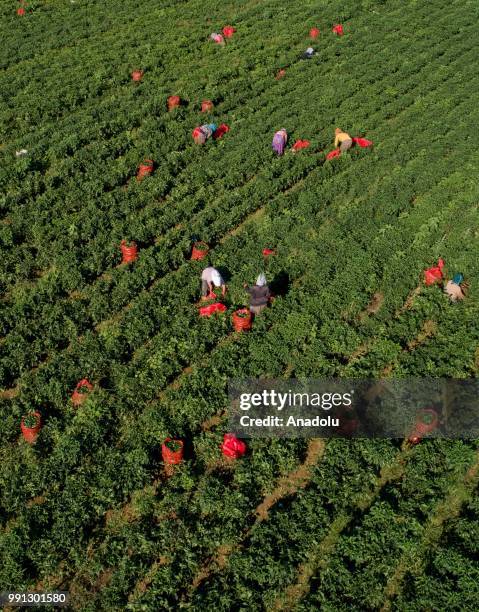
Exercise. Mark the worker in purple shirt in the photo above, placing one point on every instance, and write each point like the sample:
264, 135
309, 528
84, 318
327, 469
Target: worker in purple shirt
279, 141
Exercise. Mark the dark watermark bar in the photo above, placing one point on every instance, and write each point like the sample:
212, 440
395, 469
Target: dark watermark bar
33, 599
354, 408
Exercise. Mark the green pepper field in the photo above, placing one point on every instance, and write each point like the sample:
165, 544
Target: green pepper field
294, 525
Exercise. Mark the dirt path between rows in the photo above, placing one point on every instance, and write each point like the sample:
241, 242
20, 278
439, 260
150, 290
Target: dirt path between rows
413, 560
9, 394
142, 585
317, 557
428, 330
373, 306
287, 485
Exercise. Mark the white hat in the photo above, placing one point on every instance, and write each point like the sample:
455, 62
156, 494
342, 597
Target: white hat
216, 279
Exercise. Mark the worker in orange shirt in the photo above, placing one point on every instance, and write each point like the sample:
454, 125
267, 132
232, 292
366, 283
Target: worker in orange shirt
342, 140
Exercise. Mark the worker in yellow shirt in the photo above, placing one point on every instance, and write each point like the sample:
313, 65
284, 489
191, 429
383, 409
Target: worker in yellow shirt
343, 140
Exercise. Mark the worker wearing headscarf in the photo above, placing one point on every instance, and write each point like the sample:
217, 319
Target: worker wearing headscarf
202, 133
342, 140
260, 294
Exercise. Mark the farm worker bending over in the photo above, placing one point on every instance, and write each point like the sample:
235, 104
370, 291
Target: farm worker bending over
259, 295
343, 140
279, 141
209, 277
308, 54
202, 133
453, 288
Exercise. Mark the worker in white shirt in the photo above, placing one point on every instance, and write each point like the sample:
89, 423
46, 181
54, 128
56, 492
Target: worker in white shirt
211, 277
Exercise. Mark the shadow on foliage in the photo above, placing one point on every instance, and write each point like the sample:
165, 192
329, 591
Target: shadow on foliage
280, 284
225, 273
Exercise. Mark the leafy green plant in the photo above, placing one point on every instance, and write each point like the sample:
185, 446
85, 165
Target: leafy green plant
30, 420
174, 445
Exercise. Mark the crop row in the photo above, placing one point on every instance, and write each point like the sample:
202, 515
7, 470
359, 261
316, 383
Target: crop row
100, 169
199, 383
82, 315
448, 577
107, 305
